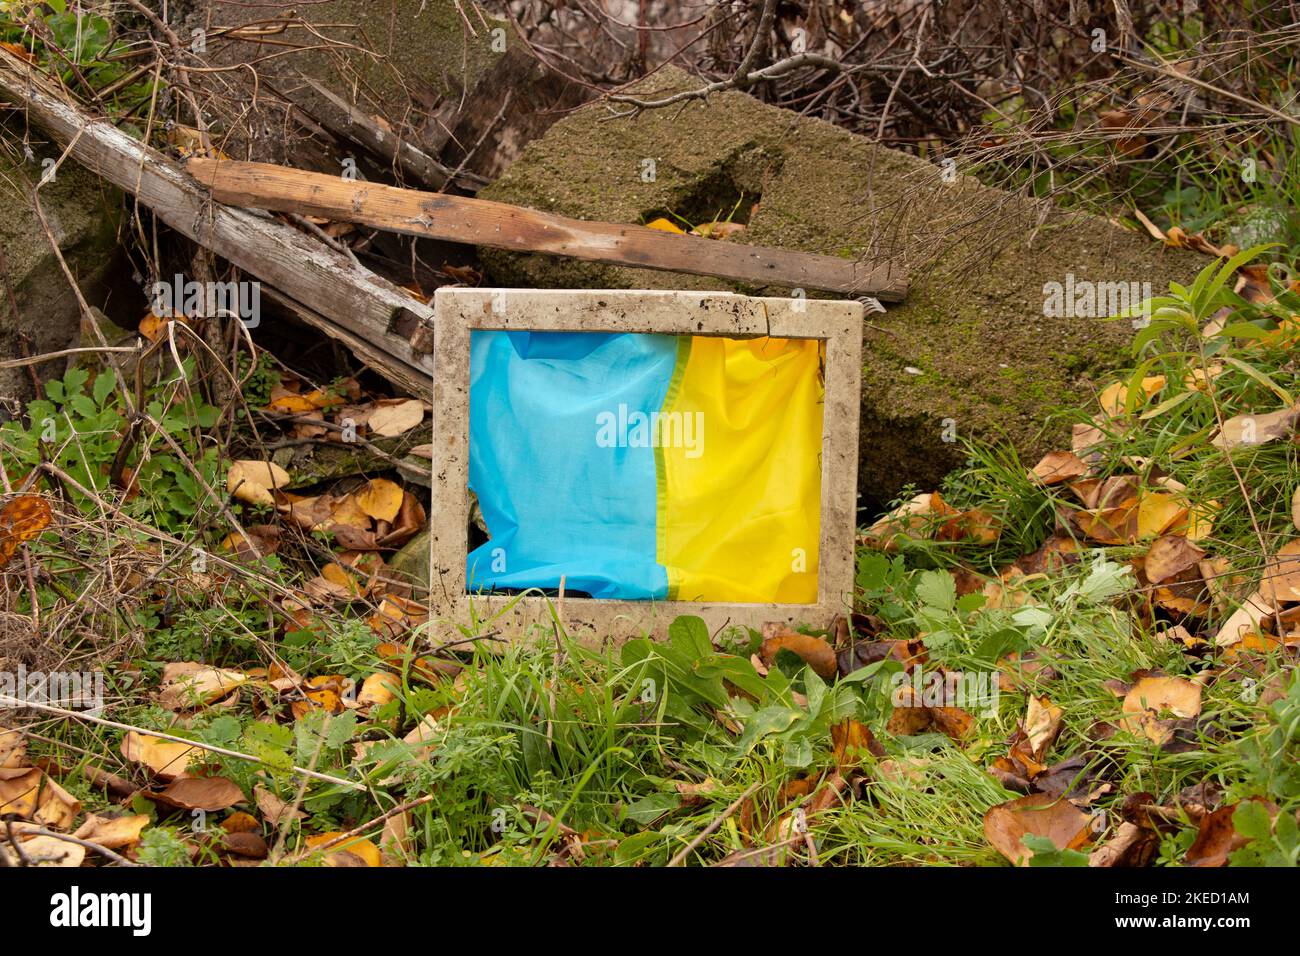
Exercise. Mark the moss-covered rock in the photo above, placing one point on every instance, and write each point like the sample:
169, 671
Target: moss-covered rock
969, 352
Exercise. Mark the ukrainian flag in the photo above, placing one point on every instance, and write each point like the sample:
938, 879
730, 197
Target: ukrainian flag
647, 467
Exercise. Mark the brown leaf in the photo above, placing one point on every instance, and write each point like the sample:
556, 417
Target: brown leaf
849, 741
1218, 838
1170, 555
1042, 725
814, 651
252, 481
272, 808
1131, 846
1059, 466
27, 793
1039, 814
199, 793
395, 417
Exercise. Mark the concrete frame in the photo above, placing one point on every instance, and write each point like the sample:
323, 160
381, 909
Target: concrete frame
461, 310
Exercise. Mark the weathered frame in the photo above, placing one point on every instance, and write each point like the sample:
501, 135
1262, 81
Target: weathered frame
459, 311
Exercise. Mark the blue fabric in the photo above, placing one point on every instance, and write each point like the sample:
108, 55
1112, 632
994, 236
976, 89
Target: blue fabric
555, 502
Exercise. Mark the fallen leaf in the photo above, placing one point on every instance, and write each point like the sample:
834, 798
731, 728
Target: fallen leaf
361, 851
1157, 513
253, 481
381, 499
1114, 398
1243, 620
1157, 694
1170, 555
1042, 725
1281, 581
394, 418
188, 685
814, 651
273, 809
1247, 430
112, 833
167, 759
1217, 838
200, 793
1131, 846
1059, 466
1039, 814
665, 225
849, 741
13, 749
27, 793
46, 851
22, 519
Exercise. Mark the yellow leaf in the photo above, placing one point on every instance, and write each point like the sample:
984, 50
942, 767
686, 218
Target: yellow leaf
665, 225
363, 850
1157, 512
381, 499
166, 758
252, 481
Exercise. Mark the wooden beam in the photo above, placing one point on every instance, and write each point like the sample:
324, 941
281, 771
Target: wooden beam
345, 300
503, 226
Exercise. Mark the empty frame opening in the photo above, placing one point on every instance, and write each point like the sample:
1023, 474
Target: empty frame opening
638, 466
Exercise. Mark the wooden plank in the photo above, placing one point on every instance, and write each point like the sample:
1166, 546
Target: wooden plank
362, 307
503, 226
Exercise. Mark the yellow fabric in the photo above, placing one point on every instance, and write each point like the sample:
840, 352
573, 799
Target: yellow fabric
740, 517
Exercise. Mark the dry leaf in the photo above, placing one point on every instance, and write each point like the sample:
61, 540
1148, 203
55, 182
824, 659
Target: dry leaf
1247, 430
200, 793
1171, 555
381, 499
22, 519
253, 481
1157, 694
1040, 814
46, 851
394, 418
814, 651
112, 833
1218, 838
167, 759
273, 809
1243, 620
849, 741
362, 851
1059, 466
187, 685
1281, 580
1042, 725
